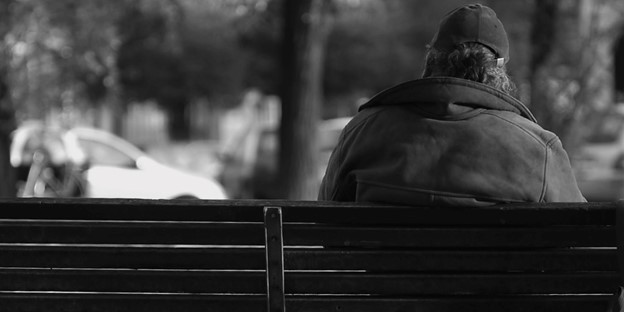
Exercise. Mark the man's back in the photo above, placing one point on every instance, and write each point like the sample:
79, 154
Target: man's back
463, 146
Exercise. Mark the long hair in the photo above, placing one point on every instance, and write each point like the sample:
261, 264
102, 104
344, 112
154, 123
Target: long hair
472, 61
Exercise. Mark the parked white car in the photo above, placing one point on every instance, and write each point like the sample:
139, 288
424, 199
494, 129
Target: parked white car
110, 167
121, 170
599, 162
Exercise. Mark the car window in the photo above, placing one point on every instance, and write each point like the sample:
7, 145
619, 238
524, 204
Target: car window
105, 155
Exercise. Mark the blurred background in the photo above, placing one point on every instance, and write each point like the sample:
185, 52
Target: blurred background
246, 98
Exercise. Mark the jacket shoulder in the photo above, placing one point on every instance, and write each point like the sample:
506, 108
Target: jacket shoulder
530, 128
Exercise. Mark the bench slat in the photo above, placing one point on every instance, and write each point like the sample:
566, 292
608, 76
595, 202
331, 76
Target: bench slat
447, 284
191, 303
70, 302
99, 232
150, 281
310, 211
310, 259
509, 215
451, 304
132, 257
564, 260
298, 283
440, 237
93, 232
130, 210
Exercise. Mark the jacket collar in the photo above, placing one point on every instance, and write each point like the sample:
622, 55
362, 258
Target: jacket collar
449, 90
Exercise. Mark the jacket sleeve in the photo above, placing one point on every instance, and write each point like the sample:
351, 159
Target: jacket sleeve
330, 179
326, 188
559, 180
335, 185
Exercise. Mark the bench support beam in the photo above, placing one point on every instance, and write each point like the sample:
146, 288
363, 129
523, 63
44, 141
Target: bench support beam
274, 259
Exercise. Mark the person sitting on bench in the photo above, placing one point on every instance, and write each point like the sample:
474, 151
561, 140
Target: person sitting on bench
455, 137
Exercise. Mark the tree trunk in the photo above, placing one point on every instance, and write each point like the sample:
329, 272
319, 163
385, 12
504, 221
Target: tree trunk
178, 121
7, 112
572, 64
306, 27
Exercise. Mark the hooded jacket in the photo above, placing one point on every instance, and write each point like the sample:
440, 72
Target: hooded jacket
447, 141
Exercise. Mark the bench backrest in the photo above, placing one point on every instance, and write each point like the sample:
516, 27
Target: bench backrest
142, 255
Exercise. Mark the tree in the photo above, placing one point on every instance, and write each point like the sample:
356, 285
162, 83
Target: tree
364, 58
260, 32
572, 64
150, 60
7, 114
64, 55
213, 59
305, 30
175, 52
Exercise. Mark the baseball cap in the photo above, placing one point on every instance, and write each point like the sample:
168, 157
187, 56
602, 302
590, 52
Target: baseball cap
472, 23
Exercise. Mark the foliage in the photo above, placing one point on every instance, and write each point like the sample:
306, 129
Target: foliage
63, 53
214, 61
68, 54
573, 66
149, 56
179, 52
259, 35
373, 45
72, 52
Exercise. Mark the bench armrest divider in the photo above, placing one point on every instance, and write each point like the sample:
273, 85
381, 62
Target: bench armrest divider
274, 259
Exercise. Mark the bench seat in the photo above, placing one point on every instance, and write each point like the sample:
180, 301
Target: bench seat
252, 255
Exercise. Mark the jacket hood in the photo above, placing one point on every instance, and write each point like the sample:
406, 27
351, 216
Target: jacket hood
449, 90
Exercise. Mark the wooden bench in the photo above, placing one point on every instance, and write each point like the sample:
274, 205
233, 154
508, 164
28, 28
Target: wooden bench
141, 255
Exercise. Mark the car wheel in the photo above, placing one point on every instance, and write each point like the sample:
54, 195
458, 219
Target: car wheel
186, 197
